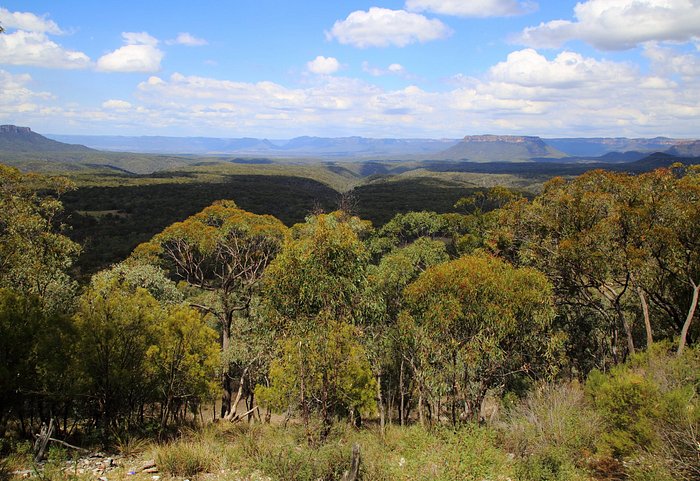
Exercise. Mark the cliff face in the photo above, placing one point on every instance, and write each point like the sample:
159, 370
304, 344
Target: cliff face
508, 139
688, 148
13, 129
500, 148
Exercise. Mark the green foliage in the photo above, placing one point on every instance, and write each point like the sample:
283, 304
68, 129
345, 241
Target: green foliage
183, 359
328, 367
316, 289
35, 351
115, 326
475, 323
132, 275
651, 410
134, 350
34, 255
321, 272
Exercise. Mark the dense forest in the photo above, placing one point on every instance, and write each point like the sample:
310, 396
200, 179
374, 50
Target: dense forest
544, 338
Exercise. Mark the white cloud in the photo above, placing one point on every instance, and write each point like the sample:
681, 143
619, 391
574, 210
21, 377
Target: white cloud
16, 97
381, 27
36, 49
667, 60
526, 93
114, 104
139, 38
26, 42
392, 69
567, 94
140, 54
187, 39
568, 70
323, 65
28, 22
472, 8
620, 24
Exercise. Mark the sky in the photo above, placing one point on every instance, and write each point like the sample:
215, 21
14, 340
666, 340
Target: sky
382, 68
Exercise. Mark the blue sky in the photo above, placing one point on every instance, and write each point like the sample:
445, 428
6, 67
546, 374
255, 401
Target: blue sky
411, 68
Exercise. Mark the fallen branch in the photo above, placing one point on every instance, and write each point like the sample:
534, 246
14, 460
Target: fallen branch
69, 445
238, 418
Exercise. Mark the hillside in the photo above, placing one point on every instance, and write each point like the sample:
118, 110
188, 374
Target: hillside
598, 146
21, 140
494, 148
305, 146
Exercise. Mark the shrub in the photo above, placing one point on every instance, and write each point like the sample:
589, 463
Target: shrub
652, 410
185, 458
552, 433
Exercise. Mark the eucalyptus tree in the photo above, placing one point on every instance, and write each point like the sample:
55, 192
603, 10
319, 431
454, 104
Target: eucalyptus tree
477, 322
316, 290
221, 253
386, 345
35, 255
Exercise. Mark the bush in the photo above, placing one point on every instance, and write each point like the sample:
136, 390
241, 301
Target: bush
652, 411
185, 458
552, 432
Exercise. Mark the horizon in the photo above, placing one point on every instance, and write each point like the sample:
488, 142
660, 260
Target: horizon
413, 69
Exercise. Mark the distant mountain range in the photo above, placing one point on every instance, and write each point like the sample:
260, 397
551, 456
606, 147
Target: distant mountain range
476, 148
20, 146
338, 147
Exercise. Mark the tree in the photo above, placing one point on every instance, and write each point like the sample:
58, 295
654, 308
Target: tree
476, 323
34, 255
115, 325
35, 360
673, 245
183, 360
221, 253
316, 290
576, 233
395, 271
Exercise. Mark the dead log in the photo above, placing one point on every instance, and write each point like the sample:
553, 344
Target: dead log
354, 473
42, 439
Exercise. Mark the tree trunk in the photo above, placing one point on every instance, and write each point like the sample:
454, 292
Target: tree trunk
688, 319
239, 394
420, 407
402, 409
645, 312
626, 326
227, 390
380, 402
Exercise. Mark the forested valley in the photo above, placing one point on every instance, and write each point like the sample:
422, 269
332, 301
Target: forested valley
530, 337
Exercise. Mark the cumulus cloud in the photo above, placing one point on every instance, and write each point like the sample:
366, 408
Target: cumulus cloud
140, 54
619, 24
527, 93
668, 60
472, 8
36, 49
323, 65
187, 39
568, 70
28, 22
26, 42
114, 104
16, 96
382, 27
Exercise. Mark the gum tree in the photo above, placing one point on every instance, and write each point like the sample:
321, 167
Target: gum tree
221, 253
